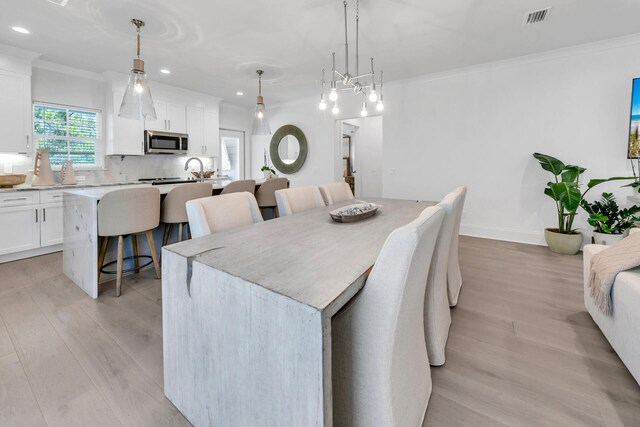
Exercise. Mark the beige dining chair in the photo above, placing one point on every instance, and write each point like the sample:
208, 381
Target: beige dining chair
248, 185
128, 212
266, 193
336, 192
380, 366
437, 314
454, 277
298, 199
218, 213
174, 210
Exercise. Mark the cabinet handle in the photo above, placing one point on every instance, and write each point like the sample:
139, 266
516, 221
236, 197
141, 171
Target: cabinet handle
169, 124
44, 214
27, 142
56, 196
14, 200
36, 215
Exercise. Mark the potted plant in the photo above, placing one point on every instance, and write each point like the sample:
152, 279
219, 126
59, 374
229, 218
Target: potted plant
267, 171
609, 222
566, 193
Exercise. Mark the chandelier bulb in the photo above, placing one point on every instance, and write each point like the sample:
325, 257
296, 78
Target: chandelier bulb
335, 109
333, 95
323, 103
380, 106
373, 96
364, 111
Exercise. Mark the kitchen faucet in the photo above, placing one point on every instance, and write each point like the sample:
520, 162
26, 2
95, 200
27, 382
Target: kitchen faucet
186, 167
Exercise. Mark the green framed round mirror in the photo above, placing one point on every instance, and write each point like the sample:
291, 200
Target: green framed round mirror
288, 149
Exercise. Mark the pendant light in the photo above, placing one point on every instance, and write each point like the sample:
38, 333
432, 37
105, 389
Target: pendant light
137, 102
260, 123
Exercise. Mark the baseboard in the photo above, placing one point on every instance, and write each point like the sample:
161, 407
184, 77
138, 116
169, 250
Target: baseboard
506, 234
28, 254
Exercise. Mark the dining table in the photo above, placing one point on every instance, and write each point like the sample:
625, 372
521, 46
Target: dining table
246, 313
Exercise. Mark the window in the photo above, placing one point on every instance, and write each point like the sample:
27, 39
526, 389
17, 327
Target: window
70, 133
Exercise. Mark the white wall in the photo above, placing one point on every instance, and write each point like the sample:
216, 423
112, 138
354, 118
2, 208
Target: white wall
478, 127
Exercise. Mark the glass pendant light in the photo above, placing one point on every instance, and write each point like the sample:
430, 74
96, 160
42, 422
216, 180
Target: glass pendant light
137, 102
260, 123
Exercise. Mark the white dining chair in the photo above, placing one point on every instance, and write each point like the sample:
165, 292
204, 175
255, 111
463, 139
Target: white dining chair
218, 213
437, 313
336, 192
380, 366
454, 277
298, 199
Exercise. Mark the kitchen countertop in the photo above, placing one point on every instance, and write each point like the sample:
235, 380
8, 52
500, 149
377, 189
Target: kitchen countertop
80, 186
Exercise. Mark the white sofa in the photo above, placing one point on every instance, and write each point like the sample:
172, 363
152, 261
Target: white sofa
622, 329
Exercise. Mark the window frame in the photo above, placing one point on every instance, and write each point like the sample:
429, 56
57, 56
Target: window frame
99, 141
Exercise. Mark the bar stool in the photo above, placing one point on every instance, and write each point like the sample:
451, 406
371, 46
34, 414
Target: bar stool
173, 210
266, 193
128, 212
239, 186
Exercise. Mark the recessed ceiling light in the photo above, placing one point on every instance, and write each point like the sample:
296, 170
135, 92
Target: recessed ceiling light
20, 30
239, 93
165, 71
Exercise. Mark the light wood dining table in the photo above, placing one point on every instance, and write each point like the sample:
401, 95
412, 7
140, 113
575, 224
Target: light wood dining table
247, 314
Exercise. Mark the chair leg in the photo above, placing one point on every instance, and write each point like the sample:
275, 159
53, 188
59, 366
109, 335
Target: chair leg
102, 254
134, 245
119, 270
154, 254
276, 212
167, 233
188, 231
180, 226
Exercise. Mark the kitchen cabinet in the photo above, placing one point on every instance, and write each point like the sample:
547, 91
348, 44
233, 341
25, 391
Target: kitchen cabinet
203, 132
126, 136
30, 220
15, 112
170, 117
19, 228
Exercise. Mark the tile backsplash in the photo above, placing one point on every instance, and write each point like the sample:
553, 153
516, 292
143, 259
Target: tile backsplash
118, 168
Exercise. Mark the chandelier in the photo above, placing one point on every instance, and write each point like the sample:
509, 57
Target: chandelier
344, 81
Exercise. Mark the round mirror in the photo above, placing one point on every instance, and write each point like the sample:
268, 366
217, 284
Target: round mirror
288, 149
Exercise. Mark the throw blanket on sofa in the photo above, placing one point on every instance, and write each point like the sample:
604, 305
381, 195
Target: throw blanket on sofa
606, 265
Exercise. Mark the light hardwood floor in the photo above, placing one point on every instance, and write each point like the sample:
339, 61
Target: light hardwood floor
522, 350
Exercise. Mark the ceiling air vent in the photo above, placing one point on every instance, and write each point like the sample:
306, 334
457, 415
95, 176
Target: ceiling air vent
537, 16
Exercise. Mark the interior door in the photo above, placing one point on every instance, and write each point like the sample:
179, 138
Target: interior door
232, 153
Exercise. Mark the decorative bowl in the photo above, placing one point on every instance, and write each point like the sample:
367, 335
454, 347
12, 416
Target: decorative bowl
353, 213
8, 181
207, 174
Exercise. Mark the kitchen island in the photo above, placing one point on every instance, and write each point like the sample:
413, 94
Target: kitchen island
80, 225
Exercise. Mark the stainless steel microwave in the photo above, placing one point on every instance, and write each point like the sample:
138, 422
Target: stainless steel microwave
156, 142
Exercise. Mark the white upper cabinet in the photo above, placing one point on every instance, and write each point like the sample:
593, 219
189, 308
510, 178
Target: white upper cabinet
170, 117
15, 112
124, 136
195, 129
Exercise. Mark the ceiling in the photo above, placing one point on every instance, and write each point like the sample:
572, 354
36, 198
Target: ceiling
215, 46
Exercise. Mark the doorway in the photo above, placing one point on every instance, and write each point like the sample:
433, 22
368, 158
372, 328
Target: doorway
361, 155
232, 154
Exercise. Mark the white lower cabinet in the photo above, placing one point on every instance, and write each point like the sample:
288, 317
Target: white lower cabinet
51, 232
19, 229
26, 224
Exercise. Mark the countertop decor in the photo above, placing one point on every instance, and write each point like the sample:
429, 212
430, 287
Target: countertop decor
9, 180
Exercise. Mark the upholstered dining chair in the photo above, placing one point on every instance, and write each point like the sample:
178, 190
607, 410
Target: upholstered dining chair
128, 212
218, 213
174, 210
298, 199
336, 192
454, 277
248, 185
266, 193
437, 314
380, 366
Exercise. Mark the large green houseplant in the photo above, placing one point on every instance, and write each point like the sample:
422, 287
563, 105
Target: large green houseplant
566, 193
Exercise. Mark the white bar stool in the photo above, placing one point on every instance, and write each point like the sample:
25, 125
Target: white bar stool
128, 212
174, 210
